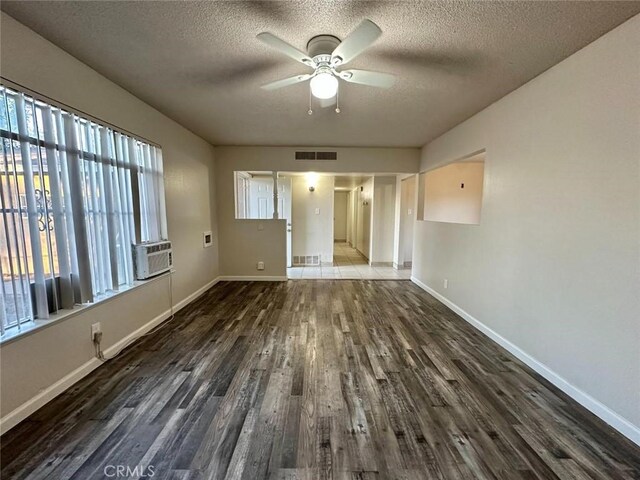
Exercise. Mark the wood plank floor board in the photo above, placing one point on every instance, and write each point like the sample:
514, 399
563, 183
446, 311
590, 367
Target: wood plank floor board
315, 379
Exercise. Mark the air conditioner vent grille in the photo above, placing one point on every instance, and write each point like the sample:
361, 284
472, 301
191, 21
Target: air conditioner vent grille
305, 155
306, 260
316, 155
152, 258
326, 155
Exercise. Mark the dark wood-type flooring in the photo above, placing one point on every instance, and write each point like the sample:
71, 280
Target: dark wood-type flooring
316, 379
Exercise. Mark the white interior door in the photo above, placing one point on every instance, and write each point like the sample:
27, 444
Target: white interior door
261, 197
284, 211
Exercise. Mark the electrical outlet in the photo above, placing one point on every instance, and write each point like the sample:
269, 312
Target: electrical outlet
95, 328
317, 211
446, 283
260, 265
260, 227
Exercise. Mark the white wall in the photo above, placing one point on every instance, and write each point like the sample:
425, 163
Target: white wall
340, 202
383, 219
554, 265
32, 364
312, 233
229, 159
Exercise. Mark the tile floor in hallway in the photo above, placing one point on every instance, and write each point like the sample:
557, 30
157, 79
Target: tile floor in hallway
348, 263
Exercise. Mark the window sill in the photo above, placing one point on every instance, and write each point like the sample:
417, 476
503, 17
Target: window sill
12, 334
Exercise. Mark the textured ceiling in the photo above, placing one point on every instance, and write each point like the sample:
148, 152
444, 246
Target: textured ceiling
200, 63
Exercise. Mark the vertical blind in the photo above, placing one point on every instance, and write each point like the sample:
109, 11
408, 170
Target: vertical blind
74, 197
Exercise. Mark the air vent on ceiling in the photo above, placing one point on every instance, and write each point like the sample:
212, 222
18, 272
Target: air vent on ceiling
316, 155
327, 155
305, 155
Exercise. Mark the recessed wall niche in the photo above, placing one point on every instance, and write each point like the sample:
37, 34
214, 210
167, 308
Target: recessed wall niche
453, 193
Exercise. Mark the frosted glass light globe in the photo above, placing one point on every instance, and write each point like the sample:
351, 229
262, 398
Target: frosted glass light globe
324, 85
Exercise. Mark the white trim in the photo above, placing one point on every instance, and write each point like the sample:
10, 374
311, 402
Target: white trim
252, 278
621, 424
14, 417
382, 264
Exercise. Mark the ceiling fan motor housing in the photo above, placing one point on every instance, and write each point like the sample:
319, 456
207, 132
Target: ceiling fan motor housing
321, 47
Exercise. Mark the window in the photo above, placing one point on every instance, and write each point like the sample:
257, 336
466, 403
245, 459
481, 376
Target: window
74, 196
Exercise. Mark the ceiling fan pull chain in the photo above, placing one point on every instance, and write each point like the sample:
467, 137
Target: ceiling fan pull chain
310, 111
338, 100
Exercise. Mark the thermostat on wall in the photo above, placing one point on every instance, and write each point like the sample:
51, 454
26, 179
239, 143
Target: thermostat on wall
207, 239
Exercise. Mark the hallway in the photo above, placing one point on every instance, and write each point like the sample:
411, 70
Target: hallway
349, 264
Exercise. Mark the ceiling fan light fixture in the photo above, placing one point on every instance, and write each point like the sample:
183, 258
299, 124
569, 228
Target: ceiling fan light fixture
324, 86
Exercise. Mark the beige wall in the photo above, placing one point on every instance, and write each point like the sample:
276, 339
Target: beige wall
351, 217
256, 241
364, 208
229, 159
28, 59
340, 202
444, 198
312, 233
350, 159
554, 265
383, 219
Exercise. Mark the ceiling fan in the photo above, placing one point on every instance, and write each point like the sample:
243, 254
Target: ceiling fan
325, 54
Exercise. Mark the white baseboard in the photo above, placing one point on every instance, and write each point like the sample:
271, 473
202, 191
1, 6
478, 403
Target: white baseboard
382, 264
404, 266
14, 417
252, 278
621, 424
186, 301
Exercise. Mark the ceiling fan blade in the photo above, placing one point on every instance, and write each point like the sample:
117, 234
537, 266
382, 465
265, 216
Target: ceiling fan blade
284, 47
356, 42
365, 77
286, 82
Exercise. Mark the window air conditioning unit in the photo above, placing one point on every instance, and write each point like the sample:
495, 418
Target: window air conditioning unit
152, 258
